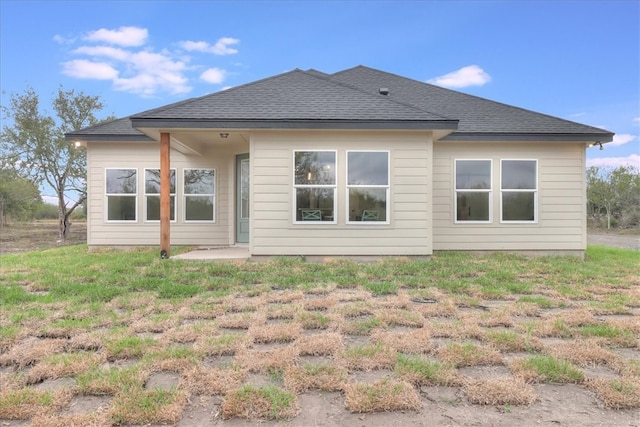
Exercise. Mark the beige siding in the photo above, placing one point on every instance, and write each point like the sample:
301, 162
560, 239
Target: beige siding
142, 233
273, 228
561, 199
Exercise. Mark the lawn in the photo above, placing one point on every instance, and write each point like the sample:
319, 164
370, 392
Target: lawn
124, 338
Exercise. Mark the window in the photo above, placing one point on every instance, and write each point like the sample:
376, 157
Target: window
314, 185
368, 186
519, 190
121, 190
199, 195
152, 193
473, 190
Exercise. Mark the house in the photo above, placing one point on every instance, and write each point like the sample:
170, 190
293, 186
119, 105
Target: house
356, 163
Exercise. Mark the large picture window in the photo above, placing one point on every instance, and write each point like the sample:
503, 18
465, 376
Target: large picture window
368, 186
199, 195
121, 190
152, 193
473, 190
314, 185
519, 190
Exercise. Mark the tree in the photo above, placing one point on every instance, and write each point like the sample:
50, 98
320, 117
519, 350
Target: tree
616, 191
40, 151
19, 197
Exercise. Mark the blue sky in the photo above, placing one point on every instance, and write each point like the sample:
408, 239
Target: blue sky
578, 60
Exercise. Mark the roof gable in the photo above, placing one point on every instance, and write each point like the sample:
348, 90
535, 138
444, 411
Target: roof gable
296, 95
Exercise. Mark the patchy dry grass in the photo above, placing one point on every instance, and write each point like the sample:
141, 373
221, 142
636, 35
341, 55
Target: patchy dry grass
270, 403
105, 323
546, 369
499, 391
328, 377
623, 393
421, 371
381, 396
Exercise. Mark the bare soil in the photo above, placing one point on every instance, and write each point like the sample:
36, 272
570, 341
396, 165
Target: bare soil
615, 239
37, 235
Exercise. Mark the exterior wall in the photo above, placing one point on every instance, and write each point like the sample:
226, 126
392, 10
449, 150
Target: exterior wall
142, 233
561, 224
272, 218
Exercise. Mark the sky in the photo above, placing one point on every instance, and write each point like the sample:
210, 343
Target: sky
577, 60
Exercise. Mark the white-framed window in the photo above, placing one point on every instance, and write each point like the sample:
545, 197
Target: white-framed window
314, 186
199, 195
368, 187
473, 191
121, 192
152, 194
518, 190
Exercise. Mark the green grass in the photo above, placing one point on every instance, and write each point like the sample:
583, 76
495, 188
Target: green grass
552, 370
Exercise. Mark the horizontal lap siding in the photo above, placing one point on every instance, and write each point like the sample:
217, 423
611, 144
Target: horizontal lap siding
561, 199
273, 230
141, 233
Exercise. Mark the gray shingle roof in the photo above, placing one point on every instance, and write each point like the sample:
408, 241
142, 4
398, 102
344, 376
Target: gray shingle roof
120, 129
296, 95
314, 98
476, 115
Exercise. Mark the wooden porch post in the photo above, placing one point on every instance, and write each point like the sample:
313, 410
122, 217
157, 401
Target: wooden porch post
165, 198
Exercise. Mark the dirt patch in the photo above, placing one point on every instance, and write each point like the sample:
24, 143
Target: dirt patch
626, 241
38, 235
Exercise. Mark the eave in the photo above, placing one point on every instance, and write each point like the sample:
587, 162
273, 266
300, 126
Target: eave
537, 137
295, 124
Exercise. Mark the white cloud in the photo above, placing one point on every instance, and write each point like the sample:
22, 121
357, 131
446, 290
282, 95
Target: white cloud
471, 75
104, 51
636, 119
123, 36
84, 69
124, 57
621, 139
63, 40
213, 75
220, 48
578, 114
614, 162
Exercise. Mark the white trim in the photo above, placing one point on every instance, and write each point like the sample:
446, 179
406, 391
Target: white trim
146, 195
528, 190
106, 198
319, 186
213, 195
387, 187
489, 192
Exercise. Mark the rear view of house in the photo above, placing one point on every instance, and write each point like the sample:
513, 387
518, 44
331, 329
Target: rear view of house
359, 162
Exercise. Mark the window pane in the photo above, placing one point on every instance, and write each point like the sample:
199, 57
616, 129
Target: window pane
153, 208
368, 168
472, 206
315, 168
244, 188
311, 200
199, 181
121, 208
518, 174
152, 181
473, 174
121, 181
367, 204
518, 206
198, 208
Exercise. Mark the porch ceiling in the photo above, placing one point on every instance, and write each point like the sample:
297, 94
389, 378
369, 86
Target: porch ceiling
200, 140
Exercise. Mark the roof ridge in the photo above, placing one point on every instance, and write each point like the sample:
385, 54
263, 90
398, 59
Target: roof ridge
328, 78
474, 96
